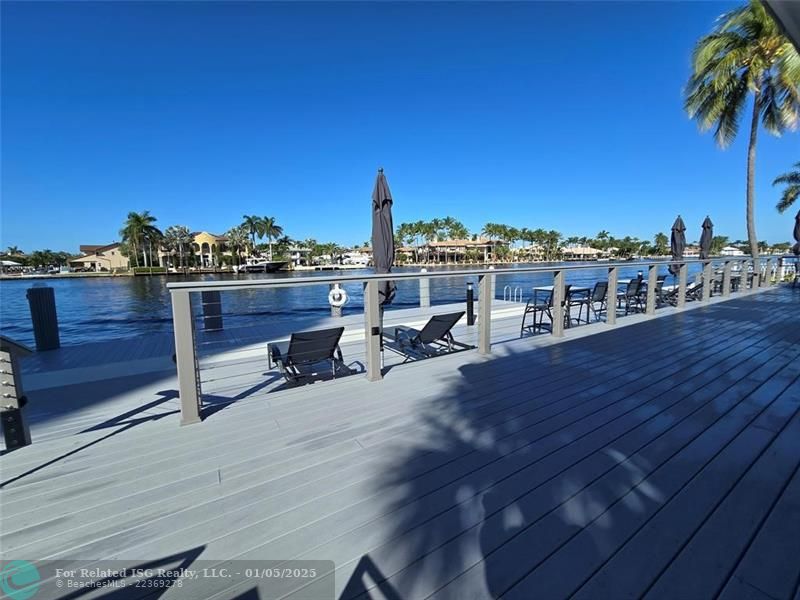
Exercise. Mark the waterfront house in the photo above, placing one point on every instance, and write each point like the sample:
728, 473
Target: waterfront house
404, 254
581, 253
299, 256
96, 257
207, 247
477, 250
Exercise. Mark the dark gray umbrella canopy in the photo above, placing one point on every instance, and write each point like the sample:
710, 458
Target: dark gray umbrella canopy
383, 235
705, 239
796, 248
677, 243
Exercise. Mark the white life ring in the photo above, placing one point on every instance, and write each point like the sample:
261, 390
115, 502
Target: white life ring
337, 297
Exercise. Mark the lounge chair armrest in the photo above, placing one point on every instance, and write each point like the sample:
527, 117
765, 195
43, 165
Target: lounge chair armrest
276, 352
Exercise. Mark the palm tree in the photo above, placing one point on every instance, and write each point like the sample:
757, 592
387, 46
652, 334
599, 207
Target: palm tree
661, 244
237, 241
603, 239
271, 230
176, 239
718, 242
169, 243
254, 226
790, 193
153, 237
745, 54
13, 251
137, 228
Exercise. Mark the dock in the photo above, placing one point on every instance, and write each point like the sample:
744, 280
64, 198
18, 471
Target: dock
658, 458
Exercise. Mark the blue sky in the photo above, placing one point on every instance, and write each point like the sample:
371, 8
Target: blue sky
553, 115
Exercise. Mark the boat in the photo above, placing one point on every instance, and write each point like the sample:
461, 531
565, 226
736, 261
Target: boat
259, 265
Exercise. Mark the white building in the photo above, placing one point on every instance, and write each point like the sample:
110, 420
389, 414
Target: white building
731, 251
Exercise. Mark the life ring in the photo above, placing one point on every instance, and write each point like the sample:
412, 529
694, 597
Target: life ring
337, 297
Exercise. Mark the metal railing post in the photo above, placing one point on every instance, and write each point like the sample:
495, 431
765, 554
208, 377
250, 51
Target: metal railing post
424, 290
765, 281
186, 357
611, 301
652, 283
683, 275
756, 281
726, 279
372, 331
558, 304
706, 281
485, 293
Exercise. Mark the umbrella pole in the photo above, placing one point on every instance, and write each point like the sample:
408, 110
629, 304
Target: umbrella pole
380, 312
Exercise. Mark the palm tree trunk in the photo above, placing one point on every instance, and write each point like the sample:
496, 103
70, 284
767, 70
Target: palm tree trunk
751, 179
269, 238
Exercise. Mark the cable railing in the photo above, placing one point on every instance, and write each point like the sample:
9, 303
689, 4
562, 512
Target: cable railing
226, 361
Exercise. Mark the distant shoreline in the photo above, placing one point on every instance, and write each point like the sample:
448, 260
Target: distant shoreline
316, 268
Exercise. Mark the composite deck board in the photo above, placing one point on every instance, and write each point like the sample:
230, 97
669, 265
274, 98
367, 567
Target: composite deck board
704, 562
769, 567
652, 494
361, 534
212, 512
506, 495
307, 412
637, 563
550, 449
556, 375
228, 476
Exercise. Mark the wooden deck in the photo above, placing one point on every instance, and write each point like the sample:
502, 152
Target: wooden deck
658, 459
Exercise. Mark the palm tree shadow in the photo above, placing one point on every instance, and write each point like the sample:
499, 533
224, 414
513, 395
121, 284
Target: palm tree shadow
473, 481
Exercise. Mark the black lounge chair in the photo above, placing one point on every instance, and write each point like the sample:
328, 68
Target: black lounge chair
432, 340
539, 309
306, 350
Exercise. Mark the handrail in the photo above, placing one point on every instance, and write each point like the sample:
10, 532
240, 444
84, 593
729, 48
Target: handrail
203, 286
189, 383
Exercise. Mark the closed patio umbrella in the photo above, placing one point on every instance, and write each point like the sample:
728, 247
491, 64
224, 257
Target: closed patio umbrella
383, 236
677, 244
705, 239
383, 242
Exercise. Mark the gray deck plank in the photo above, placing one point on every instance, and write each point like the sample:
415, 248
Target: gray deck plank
584, 550
633, 568
770, 566
535, 503
703, 565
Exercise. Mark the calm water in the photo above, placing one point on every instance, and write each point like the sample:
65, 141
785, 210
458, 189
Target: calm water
92, 309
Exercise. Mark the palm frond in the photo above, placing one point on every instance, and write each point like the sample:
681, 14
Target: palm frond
789, 196
730, 113
792, 177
